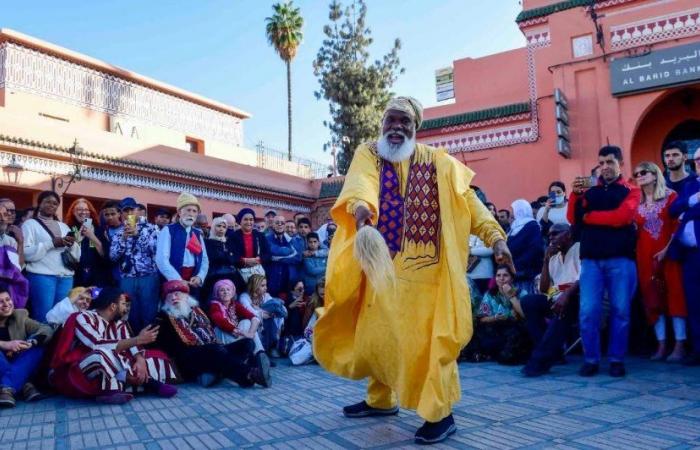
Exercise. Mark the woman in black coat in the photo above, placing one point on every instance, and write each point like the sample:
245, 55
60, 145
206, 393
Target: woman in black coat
249, 245
526, 246
223, 259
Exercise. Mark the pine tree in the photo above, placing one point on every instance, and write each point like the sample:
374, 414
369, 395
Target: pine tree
356, 88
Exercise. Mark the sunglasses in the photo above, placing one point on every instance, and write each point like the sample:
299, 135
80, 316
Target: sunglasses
641, 173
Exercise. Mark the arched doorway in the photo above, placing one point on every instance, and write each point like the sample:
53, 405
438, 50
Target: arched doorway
674, 117
687, 132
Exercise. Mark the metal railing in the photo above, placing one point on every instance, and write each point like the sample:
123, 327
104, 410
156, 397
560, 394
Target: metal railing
269, 158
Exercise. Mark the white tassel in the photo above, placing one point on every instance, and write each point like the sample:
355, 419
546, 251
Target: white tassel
374, 258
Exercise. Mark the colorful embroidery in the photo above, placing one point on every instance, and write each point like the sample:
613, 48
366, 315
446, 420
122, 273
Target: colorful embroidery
391, 208
651, 213
196, 330
422, 207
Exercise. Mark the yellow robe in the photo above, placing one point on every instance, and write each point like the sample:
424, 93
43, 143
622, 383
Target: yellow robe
409, 342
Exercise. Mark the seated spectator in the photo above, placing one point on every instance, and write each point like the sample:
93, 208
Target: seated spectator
232, 321
93, 267
251, 245
163, 217
283, 259
554, 209
480, 267
551, 316
296, 302
188, 336
182, 254
660, 279
96, 356
133, 250
11, 261
525, 243
222, 258
499, 332
51, 254
78, 299
504, 219
316, 302
21, 349
269, 310
315, 262
684, 248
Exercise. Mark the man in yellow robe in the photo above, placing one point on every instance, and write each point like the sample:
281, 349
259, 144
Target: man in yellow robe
419, 199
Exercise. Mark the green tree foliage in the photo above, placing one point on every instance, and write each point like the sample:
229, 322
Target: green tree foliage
356, 88
284, 33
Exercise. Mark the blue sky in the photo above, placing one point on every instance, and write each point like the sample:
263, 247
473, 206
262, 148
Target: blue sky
217, 48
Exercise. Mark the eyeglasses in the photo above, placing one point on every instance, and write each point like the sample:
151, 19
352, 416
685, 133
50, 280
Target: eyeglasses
641, 173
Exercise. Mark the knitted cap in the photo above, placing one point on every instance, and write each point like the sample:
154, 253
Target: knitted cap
186, 199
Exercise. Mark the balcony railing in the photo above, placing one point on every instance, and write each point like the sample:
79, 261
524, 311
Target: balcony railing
269, 158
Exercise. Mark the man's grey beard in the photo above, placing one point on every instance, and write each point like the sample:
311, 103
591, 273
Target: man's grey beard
182, 310
187, 221
393, 152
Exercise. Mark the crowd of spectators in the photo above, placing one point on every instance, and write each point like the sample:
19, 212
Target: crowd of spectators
106, 304
616, 258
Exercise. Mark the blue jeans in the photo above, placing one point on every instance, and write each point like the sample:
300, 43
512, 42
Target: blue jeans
16, 371
45, 291
144, 293
617, 277
691, 284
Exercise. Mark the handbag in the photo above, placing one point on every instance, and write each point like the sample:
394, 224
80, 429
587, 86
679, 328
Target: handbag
301, 352
69, 261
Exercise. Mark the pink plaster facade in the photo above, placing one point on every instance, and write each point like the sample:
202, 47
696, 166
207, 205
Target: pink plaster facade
133, 131
516, 156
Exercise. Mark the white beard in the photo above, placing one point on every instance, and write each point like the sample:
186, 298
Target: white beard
396, 153
187, 222
182, 310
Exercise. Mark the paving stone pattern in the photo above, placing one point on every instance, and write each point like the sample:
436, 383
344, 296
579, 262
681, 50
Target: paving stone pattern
657, 406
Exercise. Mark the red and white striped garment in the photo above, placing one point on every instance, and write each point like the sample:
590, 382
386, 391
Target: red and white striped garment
103, 362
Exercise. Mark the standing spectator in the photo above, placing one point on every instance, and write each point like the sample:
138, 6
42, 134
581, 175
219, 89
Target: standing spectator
304, 227
22, 216
480, 266
222, 258
283, 257
525, 243
269, 221
84, 221
330, 232
133, 250
163, 217
231, 224
660, 280
49, 271
182, 254
492, 209
11, 262
604, 215
504, 219
296, 271
111, 223
554, 209
141, 211
675, 158
261, 226
21, 350
202, 224
250, 244
14, 222
684, 247
551, 315
315, 261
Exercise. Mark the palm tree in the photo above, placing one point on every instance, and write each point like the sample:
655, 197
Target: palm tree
284, 33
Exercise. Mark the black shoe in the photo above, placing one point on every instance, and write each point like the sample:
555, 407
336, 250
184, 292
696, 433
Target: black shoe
362, 409
588, 369
617, 369
31, 394
260, 374
691, 360
534, 370
434, 432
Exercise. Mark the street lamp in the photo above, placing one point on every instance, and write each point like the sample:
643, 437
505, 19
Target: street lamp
12, 170
76, 161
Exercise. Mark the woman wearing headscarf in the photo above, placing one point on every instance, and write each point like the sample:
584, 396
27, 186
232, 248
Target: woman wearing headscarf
232, 321
526, 246
249, 245
222, 259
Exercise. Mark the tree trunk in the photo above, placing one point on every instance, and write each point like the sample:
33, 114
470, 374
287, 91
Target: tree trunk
289, 109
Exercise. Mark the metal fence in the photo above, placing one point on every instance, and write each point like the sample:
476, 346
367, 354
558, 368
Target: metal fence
269, 158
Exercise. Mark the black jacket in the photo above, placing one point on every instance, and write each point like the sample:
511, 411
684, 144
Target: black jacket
261, 247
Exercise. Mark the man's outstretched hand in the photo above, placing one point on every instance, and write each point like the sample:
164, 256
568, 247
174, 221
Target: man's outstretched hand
502, 254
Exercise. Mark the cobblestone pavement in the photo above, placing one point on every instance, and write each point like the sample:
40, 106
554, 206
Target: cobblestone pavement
656, 406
